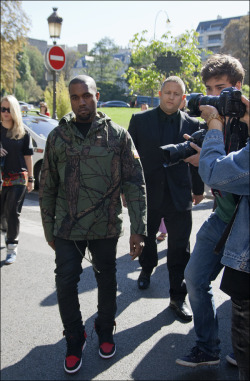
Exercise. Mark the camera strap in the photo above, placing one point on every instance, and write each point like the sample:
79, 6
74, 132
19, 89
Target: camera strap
231, 135
222, 241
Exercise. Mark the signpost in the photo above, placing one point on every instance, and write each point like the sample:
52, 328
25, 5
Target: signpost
54, 62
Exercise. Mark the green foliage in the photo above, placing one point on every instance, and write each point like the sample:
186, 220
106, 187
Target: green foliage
71, 57
28, 91
37, 67
14, 27
104, 68
245, 91
62, 97
24, 66
236, 42
144, 77
27, 88
110, 91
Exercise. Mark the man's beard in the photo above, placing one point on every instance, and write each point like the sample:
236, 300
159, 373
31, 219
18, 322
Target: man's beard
86, 118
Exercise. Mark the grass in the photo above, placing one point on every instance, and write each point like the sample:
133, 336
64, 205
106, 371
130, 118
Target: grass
119, 115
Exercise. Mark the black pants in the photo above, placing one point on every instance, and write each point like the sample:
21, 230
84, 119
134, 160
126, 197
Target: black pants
68, 270
12, 199
241, 335
179, 225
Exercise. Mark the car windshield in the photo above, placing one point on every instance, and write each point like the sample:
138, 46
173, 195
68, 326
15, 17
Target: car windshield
41, 126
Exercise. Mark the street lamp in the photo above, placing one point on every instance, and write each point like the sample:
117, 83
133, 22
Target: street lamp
167, 20
55, 25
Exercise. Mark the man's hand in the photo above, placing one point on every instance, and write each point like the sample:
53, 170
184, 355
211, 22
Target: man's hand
197, 198
207, 110
245, 118
52, 245
194, 159
136, 245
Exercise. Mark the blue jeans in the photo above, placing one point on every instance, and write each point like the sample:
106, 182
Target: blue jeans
203, 267
69, 256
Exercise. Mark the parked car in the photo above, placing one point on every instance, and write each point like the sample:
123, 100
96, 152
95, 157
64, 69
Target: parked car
24, 106
115, 104
39, 128
141, 99
99, 104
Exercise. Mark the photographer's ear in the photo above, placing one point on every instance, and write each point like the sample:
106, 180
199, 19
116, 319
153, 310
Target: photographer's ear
238, 85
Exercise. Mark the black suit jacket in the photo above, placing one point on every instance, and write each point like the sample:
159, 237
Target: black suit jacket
182, 177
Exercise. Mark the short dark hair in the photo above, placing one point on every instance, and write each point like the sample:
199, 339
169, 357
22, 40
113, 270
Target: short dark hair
84, 79
222, 64
175, 79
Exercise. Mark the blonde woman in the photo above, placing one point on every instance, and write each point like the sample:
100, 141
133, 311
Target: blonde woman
16, 152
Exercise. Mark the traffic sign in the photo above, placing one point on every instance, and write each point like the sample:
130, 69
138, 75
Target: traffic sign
55, 58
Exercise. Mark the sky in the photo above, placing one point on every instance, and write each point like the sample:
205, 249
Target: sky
87, 22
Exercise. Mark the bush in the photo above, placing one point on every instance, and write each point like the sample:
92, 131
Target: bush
62, 97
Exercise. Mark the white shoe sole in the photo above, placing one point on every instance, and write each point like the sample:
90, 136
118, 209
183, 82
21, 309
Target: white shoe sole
194, 365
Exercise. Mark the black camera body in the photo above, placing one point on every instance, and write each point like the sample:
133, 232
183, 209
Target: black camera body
228, 103
174, 153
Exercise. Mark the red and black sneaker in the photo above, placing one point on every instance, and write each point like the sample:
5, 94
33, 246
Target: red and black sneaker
107, 346
75, 345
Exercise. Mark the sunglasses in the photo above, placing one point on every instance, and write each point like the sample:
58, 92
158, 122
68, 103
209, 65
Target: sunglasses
3, 109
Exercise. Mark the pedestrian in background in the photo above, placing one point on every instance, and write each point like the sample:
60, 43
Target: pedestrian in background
16, 169
144, 107
88, 160
44, 109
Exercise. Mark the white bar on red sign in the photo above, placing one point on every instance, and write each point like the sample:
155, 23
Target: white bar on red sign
56, 58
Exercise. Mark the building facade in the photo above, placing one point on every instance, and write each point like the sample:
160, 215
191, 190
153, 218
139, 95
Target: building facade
212, 33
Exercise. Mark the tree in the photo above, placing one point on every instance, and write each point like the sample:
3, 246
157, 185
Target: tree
13, 32
152, 61
62, 97
236, 42
109, 90
37, 68
29, 91
71, 57
105, 67
24, 66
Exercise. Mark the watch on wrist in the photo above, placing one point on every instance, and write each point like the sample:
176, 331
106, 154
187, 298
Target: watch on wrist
214, 116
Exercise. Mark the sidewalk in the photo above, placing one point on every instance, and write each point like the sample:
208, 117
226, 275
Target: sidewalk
148, 336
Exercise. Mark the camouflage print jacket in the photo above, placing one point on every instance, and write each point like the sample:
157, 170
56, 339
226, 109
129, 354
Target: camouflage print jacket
82, 180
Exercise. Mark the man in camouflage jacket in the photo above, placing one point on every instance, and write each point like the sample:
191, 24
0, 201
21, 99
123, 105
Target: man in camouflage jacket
88, 162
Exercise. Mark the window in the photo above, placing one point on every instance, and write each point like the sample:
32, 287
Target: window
215, 37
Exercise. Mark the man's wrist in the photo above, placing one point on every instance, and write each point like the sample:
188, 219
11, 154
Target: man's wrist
215, 121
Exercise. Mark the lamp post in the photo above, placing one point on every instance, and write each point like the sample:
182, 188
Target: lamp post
55, 25
167, 20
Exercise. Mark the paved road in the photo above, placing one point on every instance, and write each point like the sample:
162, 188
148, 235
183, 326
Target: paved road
148, 337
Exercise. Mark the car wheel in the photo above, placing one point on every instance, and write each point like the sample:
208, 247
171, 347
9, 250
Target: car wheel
37, 174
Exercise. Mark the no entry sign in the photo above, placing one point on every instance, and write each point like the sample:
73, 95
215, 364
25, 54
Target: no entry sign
56, 58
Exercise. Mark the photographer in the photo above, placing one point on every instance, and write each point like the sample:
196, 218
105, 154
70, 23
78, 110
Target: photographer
219, 72
231, 174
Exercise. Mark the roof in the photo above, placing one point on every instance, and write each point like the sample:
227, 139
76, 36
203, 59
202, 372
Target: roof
204, 25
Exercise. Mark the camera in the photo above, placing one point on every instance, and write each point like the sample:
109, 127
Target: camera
173, 153
228, 103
